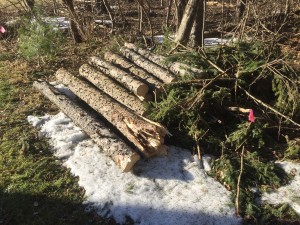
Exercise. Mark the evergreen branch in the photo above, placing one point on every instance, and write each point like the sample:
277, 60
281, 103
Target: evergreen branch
269, 107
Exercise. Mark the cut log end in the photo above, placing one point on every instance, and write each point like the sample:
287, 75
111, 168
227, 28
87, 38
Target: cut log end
142, 90
126, 163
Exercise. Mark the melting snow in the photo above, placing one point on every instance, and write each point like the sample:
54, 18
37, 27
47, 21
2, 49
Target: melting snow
290, 193
161, 191
207, 41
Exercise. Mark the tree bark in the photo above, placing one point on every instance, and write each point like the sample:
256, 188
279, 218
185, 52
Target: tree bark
180, 6
240, 9
146, 135
76, 29
109, 142
152, 82
175, 67
112, 88
139, 88
108, 8
197, 32
149, 66
183, 33
29, 5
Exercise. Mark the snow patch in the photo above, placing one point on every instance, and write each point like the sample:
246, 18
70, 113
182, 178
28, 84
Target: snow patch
161, 191
290, 193
207, 41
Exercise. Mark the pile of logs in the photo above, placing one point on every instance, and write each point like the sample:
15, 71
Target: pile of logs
116, 86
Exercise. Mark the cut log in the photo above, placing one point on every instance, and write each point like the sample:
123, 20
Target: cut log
149, 66
146, 135
109, 142
139, 88
153, 82
112, 88
175, 67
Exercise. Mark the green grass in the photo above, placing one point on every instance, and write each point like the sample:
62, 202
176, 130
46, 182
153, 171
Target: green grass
34, 187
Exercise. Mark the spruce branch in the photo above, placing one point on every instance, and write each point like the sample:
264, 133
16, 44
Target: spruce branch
258, 101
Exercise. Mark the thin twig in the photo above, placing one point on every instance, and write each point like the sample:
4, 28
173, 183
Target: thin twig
269, 107
237, 205
198, 146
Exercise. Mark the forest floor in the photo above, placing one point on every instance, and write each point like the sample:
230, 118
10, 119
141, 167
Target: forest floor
34, 187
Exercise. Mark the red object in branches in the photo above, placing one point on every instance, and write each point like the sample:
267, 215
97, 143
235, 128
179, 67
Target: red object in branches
251, 116
2, 30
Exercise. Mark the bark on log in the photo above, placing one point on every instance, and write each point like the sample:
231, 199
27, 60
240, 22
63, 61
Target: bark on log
146, 135
149, 66
139, 88
112, 88
109, 142
175, 67
153, 82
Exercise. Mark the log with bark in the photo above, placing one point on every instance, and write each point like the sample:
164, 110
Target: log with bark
112, 88
139, 88
153, 82
158, 71
108, 141
175, 67
146, 135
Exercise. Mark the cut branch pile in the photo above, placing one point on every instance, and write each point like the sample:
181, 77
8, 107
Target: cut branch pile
115, 87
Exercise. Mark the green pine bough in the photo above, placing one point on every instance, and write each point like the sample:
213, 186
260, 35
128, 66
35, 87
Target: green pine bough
211, 114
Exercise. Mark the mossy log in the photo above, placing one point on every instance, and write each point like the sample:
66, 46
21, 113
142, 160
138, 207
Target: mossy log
146, 135
175, 67
112, 88
133, 84
109, 142
152, 81
148, 65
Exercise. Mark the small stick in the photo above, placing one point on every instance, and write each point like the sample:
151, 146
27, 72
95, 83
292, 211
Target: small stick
237, 206
198, 146
238, 109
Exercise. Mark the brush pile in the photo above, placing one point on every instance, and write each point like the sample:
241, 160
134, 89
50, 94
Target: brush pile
245, 112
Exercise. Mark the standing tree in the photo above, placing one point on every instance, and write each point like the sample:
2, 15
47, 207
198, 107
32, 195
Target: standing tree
197, 33
192, 23
180, 6
76, 29
240, 9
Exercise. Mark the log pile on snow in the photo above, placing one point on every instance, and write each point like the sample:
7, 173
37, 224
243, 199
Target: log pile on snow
115, 87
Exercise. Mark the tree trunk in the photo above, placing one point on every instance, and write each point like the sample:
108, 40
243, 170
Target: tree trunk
139, 88
149, 66
183, 33
240, 9
76, 29
29, 4
111, 16
146, 135
197, 33
152, 82
180, 6
112, 88
109, 142
175, 67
